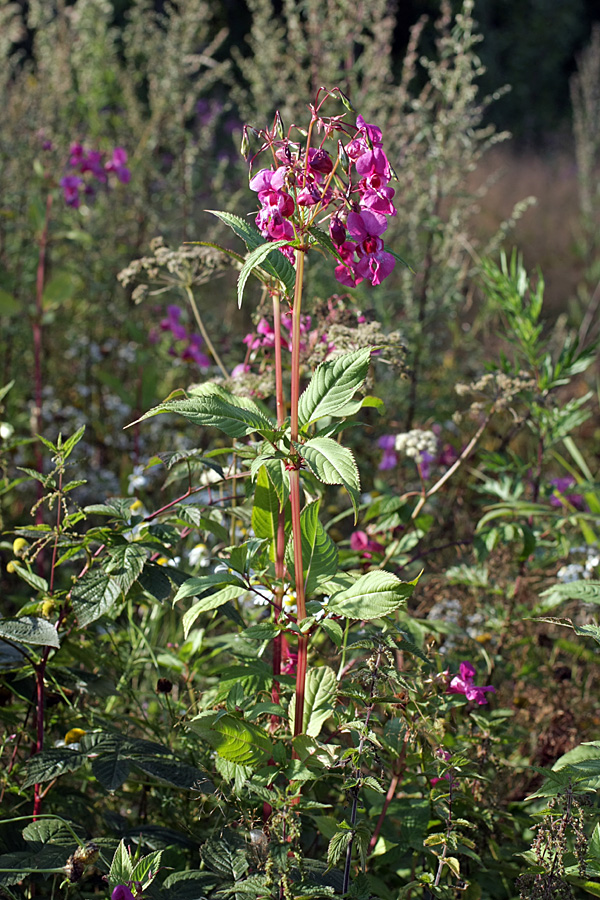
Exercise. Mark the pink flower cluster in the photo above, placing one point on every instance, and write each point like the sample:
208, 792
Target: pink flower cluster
357, 210
264, 337
463, 683
86, 166
192, 351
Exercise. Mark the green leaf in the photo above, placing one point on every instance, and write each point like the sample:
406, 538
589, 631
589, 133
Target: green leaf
175, 772
586, 591
319, 553
338, 846
146, 870
60, 288
255, 258
321, 237
320, 691
207, 604
333, 464
224, 860
334, 630
239, 741
50, 764
202, 584
93, 596
265, 511
29, 630
155, 582
277, 475
35, 581
592, 631
125, 563
276, 264
211, 406
372, 596
121, 867
333, 384
8, 304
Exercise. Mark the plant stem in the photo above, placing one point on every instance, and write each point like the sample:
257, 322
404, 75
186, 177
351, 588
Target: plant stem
295, 496
38, 355
280, 537
204, 332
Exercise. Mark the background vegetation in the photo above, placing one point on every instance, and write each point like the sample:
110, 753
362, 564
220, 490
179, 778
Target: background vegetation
105, 311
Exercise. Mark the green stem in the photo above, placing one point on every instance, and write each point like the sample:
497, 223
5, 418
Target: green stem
204, 332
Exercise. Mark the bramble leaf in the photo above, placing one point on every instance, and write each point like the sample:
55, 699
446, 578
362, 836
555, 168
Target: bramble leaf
333, 385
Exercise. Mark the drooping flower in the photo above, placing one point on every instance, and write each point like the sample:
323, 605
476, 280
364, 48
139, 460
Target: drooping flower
122, 892
463, 683
374, 263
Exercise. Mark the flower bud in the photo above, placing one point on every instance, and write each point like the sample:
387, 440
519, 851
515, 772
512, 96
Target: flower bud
337, 231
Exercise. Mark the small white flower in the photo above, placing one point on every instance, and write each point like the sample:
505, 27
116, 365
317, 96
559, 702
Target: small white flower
136, 480
199, 555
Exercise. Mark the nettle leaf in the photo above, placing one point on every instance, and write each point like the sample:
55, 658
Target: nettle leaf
211, 406
265, 511
333, 384
372, 596
125, 563
255, 258
338, 846
224, 860
276, 264
320, 692
51, 764
586, 591
93, 596
319, 553
29, 630
333, 464
210, 602
239, 741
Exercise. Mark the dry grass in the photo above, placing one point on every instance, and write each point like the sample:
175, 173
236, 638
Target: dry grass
547, 232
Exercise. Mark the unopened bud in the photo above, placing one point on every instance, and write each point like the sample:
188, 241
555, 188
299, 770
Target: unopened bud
343, 157
337, 231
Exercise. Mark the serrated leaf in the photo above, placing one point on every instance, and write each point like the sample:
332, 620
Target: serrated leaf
155, 582
333, 464
277, 475
211, 406
209, 603
333, 384
224, 860
276, 264
175, 772
93, 596
50, 831
586, 591
321, 237
255, 258
320, 691
338, 846
239, 741
334, 630
50, 764
146, 868
29, 630
121, 867
265, 511
372, 596
125, 563
319, 553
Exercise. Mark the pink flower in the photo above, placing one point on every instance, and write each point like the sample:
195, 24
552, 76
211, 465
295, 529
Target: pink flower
389, 460
345, 272
361, 543
463, 684
374, 263
171, 323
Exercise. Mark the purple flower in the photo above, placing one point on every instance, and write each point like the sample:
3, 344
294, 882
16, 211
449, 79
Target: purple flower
194, 353
463, 684
122, 892
389, 460
374, 262
171, 323
561, 486
117, 165
70, 185
360, 542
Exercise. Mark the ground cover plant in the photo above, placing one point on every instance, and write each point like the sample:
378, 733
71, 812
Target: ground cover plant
331, 630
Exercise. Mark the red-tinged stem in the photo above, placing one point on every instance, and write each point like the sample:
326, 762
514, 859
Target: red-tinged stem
280, 537
295, 496
37, 352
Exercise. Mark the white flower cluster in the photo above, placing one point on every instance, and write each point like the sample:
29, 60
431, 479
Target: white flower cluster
585, 569
415, 443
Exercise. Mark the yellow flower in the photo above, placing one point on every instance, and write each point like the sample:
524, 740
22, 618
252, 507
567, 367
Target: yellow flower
11, 567
73, 736
19, 545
